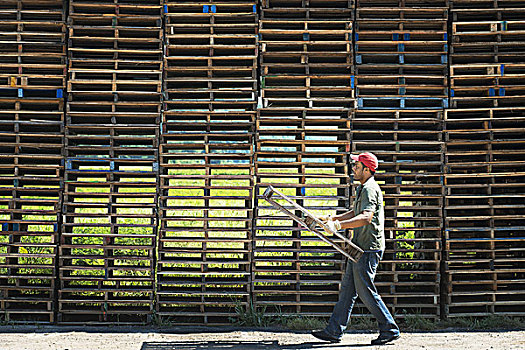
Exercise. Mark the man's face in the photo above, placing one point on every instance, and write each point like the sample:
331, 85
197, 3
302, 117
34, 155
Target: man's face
358, 169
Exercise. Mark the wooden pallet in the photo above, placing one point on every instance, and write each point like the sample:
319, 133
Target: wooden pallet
483, 201
108, 239
288, 156
29, 254
206, 212
106, 8
32, 79
34, 61
487, 53
306, 64
399, 86
486, 35
210, 62
386, 77
206, 156
342, 9
374, 102
103, 313
484, 5
428, 17
470, 141
404, 5
486, 84
481, 292
307, 219
95, 261
409, 146
496, 11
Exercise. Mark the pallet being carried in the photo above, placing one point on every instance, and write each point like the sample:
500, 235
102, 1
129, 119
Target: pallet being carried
310, 221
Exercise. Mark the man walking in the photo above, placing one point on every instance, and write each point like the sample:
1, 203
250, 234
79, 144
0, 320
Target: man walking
367, 222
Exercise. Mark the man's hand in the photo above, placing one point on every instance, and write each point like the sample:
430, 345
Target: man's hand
324, 219
333, 225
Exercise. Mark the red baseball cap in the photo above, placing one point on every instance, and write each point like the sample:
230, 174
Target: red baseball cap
368, 159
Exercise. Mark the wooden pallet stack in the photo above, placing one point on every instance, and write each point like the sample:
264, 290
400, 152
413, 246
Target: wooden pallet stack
485, 161
484, 234
401, 85
32, 73
487, 63
409, 146
207, 160
306, 54
107, 244
401, 54
302, 149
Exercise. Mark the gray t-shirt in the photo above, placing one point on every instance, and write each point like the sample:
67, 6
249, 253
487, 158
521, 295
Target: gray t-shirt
370, 198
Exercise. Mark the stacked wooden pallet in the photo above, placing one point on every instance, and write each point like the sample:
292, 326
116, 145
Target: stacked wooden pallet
401, 54
410, 150
487, 54
301, 149
484, 204
485, 161
306, 55
401, 84
107, 243
32, 73
206, 160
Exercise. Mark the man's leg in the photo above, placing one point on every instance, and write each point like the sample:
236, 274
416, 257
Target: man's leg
364, 274
342, 310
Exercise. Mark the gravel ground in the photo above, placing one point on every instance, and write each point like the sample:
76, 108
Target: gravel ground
142, 338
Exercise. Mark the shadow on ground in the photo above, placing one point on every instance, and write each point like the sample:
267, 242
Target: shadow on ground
239, 345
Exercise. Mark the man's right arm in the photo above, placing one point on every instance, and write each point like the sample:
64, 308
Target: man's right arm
345, 216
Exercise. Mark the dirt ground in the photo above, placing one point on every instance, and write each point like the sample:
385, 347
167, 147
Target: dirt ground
142, 338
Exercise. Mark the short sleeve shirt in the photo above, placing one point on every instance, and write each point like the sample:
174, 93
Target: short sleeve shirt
369, 198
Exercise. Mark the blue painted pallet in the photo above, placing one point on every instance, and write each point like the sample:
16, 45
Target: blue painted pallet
492, 92
15, 227
209, 9
31, 93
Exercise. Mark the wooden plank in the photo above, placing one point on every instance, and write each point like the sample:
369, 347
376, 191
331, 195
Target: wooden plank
310, 221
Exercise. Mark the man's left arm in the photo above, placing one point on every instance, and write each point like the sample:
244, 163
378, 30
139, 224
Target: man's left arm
369, 204
359, 220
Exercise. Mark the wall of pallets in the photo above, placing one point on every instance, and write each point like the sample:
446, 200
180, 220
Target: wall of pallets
206, 157
32, 73
137, 137
484, 160
108, 238
401, 89
301, 148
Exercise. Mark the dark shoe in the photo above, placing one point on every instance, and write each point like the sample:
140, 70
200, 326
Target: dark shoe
323, 335
383, 339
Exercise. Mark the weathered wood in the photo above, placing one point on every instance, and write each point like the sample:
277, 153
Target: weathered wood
310, 221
